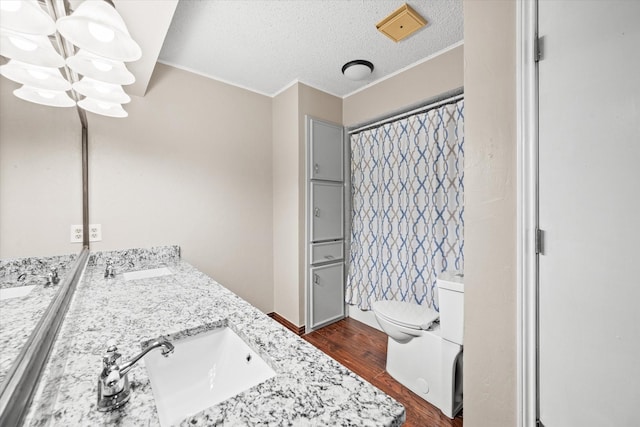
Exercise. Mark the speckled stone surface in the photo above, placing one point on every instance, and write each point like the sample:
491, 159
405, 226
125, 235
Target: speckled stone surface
310, 389
137, 258
20, 315
32, 270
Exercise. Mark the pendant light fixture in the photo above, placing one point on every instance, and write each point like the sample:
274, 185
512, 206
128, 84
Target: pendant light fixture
93, 42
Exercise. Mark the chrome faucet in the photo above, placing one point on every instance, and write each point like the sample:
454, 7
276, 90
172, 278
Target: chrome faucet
52, 277
113, 383
109, 271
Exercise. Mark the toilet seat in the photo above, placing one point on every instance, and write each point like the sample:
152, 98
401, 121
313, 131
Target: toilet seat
409, 315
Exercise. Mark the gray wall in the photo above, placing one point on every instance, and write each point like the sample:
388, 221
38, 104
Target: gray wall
40, 177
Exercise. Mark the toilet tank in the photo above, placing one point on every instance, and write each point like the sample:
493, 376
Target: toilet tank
451, 304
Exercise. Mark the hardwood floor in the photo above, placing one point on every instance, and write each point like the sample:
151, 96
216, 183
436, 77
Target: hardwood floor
363, 349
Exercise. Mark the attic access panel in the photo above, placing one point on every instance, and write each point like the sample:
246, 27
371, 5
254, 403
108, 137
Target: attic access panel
401, 23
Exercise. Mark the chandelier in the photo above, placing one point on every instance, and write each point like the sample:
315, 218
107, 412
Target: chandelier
89, 46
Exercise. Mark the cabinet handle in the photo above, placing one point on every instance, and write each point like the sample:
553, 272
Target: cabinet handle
316, 279
316, 168
316, 212
328, 256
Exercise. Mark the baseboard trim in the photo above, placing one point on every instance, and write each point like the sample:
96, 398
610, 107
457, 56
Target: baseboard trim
298, 330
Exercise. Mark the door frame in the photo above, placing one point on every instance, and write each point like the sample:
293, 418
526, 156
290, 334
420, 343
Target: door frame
527, 211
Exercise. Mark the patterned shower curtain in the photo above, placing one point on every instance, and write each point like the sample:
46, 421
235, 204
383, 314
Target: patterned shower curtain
407, 181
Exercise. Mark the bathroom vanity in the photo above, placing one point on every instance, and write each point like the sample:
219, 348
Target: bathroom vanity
308, 388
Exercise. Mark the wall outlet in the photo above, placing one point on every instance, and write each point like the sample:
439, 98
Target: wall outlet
95, 233
76, 233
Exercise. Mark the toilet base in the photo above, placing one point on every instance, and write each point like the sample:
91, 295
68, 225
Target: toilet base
431, 367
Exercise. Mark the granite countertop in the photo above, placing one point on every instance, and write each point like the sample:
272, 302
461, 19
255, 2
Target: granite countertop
19, 315
18, 318
310, 388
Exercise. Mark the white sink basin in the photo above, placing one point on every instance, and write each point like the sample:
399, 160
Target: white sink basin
146, 274
18, 291
203, 370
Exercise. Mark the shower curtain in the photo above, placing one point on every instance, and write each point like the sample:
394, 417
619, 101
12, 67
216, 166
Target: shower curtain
407, 183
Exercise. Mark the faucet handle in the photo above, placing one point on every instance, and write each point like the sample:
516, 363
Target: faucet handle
109, 271
111, 356
53, 272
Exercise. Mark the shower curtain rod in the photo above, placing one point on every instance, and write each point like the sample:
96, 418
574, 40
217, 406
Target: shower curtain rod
430, 105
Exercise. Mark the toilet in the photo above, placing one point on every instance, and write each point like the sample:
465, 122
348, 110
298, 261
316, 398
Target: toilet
424, 354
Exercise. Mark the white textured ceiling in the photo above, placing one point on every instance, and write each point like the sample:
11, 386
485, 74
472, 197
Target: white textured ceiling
265, 45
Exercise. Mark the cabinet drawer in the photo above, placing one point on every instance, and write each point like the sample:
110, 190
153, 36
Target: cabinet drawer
327, 211
325, 252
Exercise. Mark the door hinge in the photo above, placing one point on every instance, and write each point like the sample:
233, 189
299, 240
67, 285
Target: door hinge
538, 49
539, 242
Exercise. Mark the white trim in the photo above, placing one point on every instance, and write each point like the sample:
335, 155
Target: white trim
296, 81
291, 84
209, 76
527, 203
402, 70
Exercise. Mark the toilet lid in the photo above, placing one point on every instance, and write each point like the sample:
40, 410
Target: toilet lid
406, 314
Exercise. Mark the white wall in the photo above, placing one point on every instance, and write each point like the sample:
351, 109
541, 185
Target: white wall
191, 166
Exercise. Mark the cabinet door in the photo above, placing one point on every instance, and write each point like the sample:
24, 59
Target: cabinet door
326, 211
327, 294
326, 151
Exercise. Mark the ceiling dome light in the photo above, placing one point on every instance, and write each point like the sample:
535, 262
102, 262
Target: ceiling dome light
44, 97
358, 69
16, 46
97, 27
26, 16
103, 108
34, 76
95, 67
101, 91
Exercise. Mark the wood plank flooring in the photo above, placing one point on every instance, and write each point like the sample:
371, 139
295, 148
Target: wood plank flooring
363, 349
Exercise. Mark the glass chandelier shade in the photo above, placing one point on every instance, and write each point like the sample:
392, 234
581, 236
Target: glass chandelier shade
99, 68
25, 16
101, 91
97, 27
28, 48
103, 108
34, 76
45, 97
98, 43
